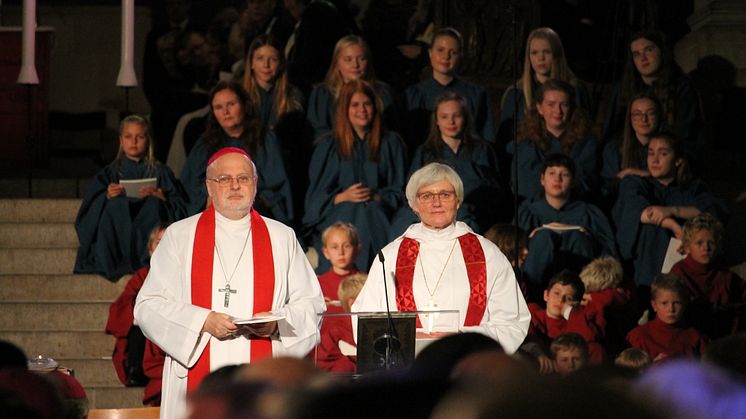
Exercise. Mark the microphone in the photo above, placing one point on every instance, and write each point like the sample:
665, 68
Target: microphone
392, 342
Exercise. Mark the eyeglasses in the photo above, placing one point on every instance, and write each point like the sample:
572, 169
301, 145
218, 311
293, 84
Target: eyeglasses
443, 196
225, 180
638, 116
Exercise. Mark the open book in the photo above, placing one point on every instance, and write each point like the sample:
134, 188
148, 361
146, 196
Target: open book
274, 316
132, 186
672, 255
559, 229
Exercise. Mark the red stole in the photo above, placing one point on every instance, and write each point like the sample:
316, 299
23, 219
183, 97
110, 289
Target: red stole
202, 288
476, 270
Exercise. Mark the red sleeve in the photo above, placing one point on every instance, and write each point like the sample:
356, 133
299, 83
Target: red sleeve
152, 364
328, 355
121, 311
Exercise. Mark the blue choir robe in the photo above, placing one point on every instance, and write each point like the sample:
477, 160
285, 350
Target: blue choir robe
646, 244
267, 111
549, 251
273, 197
330, 174
322, 107
113, 233
612, 165
420, 103
530, 159
477, 167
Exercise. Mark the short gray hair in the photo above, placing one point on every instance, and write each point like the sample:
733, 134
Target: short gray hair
433, 173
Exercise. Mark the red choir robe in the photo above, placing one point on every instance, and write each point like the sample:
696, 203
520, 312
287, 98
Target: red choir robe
656, 337
329, 282
716, 297
544, 329
329, 355
152, 363
611, 311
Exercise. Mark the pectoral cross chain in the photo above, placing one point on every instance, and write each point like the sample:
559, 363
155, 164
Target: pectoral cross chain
228, 291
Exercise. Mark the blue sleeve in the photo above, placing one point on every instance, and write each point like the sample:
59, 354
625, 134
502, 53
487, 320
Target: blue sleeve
632, 200
392, 159
321, 107
485, 117
508, 103
323, 176
529, 161
601, 231
526, 218
87, 220
193, 178
273, 191
585, 155
176, 203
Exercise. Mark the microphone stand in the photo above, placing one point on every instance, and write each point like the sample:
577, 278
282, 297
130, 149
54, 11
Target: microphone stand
390, 335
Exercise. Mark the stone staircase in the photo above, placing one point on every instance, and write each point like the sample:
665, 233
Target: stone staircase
47, 310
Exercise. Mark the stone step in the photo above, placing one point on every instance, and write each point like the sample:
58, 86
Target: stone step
43, 187
38, 235
59, 288
114, 397
92, 372
37, 261
53, 317
38, 210
62, 344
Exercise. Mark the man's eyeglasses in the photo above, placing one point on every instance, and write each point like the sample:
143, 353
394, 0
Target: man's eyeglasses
443, 196
225, 180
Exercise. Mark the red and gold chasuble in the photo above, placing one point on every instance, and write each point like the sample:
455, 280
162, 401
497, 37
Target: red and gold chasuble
476, 270
264, 283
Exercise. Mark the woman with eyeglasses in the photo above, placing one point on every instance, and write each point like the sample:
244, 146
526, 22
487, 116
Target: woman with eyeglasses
356, 175
233, 122
441, 264
453, 141
628, 155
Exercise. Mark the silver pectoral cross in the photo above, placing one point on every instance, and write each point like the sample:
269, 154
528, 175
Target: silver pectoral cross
228, 291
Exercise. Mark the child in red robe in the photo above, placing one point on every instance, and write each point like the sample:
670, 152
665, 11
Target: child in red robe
562, 314
607, 301
131, 356
716, 295
667, 335
337, 351
341, 245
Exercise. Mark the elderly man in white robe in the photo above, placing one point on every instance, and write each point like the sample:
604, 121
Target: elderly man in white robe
217, 268
440, 264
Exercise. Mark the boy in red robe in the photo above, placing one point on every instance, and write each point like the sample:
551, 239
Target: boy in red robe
136, 360
716, 295
337, 351
340, 245
562, 314
667, 335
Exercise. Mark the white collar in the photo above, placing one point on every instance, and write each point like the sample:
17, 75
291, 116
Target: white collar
421, 233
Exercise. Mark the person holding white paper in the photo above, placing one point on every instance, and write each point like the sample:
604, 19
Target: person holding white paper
220, 266
440, 264
113, 228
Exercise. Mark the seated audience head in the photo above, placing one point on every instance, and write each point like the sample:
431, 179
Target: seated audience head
155, 236
11, 356
435, 192
231, 182
445, 52
727, 353
557, 174
702, 237
570, 353
451, 120
437, 360
564, 290
602, 273
341, 244
31, 393
286, 373
349, 288
667, 161
634, 359
668, 297
509, 238
358, 114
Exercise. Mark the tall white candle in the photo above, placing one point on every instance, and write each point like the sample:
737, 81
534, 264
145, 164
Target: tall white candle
28, 74
127, 76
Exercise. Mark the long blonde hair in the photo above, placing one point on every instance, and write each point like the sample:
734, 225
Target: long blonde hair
284, 101
333, 79
149, 159
559, 71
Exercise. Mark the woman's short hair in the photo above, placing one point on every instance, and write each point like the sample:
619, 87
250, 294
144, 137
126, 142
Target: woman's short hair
429, 174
